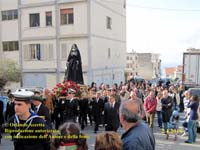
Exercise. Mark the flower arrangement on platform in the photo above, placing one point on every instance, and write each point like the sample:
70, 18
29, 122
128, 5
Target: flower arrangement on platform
61, 89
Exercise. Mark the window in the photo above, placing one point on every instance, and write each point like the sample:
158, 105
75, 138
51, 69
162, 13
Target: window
67, 16
15, 14
108, 22
10, 46
49, 18
38, 52
35, 51
9, 14
109, 53
34, 20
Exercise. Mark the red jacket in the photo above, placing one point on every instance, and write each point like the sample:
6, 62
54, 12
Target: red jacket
150, 104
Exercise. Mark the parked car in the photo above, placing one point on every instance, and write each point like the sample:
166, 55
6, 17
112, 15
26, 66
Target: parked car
137, 80
196, 91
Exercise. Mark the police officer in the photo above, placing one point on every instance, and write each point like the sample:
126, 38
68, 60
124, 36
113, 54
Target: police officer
25, 123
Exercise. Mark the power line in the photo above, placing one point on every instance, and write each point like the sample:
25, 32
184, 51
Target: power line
152, 8
164, 9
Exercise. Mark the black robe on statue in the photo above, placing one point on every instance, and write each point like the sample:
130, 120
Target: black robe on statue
74, 66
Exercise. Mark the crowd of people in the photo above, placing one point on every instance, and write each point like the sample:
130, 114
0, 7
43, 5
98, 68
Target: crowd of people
132, 106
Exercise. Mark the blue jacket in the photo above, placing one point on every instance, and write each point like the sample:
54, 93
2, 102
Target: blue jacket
139, 137
193, 110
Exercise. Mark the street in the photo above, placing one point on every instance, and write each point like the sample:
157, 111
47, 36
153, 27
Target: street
161, 142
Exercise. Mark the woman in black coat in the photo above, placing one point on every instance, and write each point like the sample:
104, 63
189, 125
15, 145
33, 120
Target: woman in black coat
167, 104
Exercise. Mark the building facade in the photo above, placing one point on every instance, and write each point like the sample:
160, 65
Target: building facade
174, 72
131, 65
38, 34
145, 65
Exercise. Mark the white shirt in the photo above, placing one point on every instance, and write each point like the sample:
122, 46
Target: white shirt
38, 107
71, 100
112, 104
159, 105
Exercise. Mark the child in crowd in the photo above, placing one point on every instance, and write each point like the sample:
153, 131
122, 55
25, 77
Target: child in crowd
173, 124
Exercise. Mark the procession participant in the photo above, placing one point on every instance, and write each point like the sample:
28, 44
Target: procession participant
97, 110
71, 107
111, 114
10, 111
83, 110
25, 123
40, 109
104, 96
114, 92
58, 111
109, 91
90, 104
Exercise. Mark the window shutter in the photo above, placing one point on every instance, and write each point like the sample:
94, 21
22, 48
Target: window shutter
43, 51
26, 52
63, 51
50, 51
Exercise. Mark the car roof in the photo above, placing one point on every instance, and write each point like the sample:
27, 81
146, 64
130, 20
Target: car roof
194, 91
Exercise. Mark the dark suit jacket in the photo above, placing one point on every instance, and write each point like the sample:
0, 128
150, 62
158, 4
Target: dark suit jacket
44, 111
10, 110
83, 106
111, 115
71, 109
1, 113
58, 109
105, 99
97, 108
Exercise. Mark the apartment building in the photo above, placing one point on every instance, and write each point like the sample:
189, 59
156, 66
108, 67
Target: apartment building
38, 34
145, 65
131, 64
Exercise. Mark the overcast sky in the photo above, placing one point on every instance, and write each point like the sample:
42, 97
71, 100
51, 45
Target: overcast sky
167, 27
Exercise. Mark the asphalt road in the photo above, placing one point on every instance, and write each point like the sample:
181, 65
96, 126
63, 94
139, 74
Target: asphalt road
161, 142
